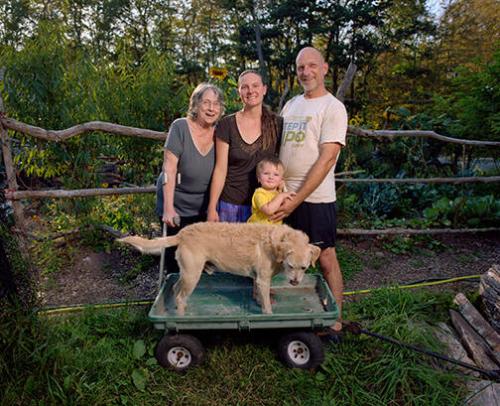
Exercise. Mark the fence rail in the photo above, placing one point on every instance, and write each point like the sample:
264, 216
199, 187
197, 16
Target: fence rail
15, 195
59, 193
61, 135
103, 126
418, 133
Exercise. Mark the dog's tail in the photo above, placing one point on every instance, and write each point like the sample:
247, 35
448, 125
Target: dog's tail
152, 247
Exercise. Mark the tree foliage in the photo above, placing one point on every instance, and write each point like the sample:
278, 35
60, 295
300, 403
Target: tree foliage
134, 62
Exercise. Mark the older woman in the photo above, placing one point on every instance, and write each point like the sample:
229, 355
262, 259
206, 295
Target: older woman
242, 140
188, 163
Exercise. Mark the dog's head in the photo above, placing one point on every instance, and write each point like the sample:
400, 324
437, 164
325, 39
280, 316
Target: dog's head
294, 253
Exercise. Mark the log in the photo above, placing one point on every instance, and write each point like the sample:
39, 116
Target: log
483, 393
283, 97
346, 82
455, 181
470, 313
454, 349
489, 289
360, 132
346, 173
413, 231
476, 347
10, 171
61, 135
40, 194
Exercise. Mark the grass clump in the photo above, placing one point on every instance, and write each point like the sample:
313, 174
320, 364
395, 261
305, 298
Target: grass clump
103, 357
349, 261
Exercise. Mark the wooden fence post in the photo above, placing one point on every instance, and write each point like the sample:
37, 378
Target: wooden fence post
9, 166
346, 82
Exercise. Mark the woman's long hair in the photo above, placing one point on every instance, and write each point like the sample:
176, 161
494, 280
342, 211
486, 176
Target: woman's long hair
268, 120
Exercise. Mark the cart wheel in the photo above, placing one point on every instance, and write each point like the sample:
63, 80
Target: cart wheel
179, 352
301, 350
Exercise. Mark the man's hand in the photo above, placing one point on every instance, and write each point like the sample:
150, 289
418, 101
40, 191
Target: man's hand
286, 208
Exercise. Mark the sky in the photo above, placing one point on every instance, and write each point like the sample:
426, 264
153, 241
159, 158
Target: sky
436, 7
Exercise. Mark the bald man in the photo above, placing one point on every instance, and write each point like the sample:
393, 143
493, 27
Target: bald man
314, 131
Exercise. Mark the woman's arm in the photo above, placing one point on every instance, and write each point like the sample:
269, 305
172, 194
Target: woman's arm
218, 178
170, 162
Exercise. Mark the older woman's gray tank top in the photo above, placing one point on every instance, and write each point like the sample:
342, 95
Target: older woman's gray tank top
194, 173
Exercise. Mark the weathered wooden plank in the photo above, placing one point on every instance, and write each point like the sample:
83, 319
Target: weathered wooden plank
41, 194
483, 393
61, 135
473, 342
454, 349
413, 231
348, 78
470, 313
361, 132
10, 171
456, 181
489, 289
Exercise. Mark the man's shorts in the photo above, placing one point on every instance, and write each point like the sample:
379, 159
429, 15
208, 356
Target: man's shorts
318, 221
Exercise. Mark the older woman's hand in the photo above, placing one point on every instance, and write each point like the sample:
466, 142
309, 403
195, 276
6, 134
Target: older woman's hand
171, 218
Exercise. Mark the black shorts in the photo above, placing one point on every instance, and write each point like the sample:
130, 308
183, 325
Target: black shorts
318, 221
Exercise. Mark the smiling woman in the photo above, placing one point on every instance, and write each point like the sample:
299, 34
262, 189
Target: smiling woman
242, 140
183, 185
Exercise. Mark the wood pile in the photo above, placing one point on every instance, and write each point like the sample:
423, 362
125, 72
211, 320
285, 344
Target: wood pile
476, 338
489, 289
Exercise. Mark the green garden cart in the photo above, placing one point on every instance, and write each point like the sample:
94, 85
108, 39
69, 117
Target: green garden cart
225, 302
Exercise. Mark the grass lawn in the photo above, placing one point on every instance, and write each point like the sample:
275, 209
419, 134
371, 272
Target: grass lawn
103, 357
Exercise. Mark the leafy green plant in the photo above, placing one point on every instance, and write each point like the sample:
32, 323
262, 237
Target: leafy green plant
400, 245
350, 262
406, 244
470, 210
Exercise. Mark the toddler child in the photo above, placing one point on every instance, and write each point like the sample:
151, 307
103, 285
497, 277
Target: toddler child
267, 199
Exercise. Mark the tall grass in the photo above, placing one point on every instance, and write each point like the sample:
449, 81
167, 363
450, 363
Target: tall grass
105, 357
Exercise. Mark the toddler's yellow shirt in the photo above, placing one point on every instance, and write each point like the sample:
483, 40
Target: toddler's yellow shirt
261, 197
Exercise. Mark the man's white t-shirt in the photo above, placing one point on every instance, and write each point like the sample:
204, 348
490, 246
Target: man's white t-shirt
308, 123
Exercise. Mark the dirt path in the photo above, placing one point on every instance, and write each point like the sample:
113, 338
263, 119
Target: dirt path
456, 256
101, 277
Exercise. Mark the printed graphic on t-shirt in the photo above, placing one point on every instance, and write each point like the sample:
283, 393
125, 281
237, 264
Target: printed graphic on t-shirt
294, 129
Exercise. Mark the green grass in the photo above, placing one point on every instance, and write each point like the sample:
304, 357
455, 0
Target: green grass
349, 261
106, 357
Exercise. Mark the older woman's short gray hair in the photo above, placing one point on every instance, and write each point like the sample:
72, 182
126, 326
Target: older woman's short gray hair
197, 96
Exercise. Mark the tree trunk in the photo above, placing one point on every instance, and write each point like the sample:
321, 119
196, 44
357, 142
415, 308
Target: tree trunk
7, 286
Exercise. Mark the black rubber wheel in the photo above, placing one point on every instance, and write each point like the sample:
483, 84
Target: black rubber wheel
179, 352
301, 349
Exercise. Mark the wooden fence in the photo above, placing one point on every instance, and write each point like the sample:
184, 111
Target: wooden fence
15, 195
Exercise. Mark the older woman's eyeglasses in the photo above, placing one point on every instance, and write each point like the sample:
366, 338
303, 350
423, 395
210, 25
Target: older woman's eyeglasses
208, 104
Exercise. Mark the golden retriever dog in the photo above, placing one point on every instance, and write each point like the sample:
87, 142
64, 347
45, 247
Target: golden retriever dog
259, 251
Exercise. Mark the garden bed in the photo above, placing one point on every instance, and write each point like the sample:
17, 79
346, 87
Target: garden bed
122, 274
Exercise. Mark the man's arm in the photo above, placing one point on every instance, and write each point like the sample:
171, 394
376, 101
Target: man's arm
273, 206
328, 154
